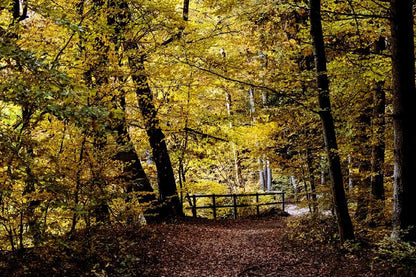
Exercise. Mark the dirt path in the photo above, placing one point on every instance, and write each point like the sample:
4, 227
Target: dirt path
240, 248
294, 210
190, 248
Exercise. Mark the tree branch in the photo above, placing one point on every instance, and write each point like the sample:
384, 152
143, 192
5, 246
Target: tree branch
185, 16
186, 129
272, 90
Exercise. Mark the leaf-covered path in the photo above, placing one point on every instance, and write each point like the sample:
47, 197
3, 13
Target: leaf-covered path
242, 248
195, 248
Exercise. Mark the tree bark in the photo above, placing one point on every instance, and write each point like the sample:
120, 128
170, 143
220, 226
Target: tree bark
101, 208
185, 13
133, 172
166, 179
404, 113
345, 227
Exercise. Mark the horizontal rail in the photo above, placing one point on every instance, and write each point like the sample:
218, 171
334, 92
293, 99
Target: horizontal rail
238, 205
237, 194
192, 199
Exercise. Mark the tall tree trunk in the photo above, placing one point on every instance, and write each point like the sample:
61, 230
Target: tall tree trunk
101, 208
166, 179
168, 195
237, 165
345, 227
78, 186
305, 178
32, 218
133, 172
350, 181
364, 185
377, 154
311, 177
263, 177
404, 113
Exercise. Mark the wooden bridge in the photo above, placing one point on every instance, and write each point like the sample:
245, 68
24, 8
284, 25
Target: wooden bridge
233, 201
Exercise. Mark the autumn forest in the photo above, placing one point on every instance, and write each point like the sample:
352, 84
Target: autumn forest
113, 114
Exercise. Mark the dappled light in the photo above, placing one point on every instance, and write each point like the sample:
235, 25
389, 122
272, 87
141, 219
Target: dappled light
207, 138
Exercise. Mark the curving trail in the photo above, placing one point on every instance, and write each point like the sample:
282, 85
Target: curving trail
189, 248
240, 248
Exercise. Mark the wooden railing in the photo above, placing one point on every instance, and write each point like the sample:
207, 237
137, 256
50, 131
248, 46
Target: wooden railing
234, 203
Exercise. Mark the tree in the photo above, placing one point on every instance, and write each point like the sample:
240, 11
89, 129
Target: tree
345, 227
168, 195
82, 110
377, 154
403, 69
29, 88
166, 180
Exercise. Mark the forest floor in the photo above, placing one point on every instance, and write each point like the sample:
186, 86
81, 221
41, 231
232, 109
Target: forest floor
192, 247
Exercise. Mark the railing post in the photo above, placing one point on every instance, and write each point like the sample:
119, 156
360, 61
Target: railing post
257, 204
194, 206
235, 205
283, 201
214, 211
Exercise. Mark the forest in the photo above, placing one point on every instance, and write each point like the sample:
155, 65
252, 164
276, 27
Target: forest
113, 114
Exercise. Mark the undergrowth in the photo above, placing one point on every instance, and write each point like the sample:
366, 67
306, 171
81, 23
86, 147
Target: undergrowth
387, 256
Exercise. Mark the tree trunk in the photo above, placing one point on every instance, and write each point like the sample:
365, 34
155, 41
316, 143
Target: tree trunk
403, 66
311, 177
78, 186
185, 13
377, 154
363, 148
269, 176
101, 208
345, 227
239, 182
133, 173
350, 186
32, 217
138, 180
263, 184
295, 188
166, 179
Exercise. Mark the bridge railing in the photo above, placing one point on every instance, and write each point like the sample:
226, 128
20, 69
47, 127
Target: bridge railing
250, 200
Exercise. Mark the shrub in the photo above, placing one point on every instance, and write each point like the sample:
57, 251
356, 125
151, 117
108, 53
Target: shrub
400, 255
